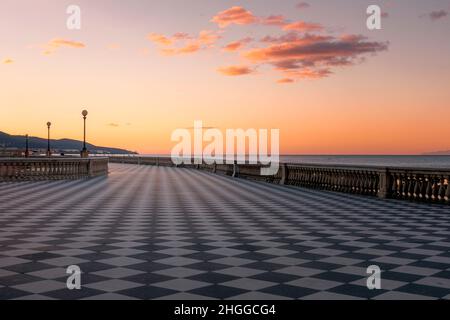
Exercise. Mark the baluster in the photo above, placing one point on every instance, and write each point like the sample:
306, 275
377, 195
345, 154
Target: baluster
362, 181
411, 186
417, 187
329, 180
356, 182
447, 193
399, 186
367, 181
373, 186
435, 189
348, 182
429, 189
314, 179
423, 188
307, 177
441, 193
341, 181
334, 179
377, 184
368, 184
405, 183
353, 181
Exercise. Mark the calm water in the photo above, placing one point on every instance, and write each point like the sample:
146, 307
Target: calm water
385, 161
388, 161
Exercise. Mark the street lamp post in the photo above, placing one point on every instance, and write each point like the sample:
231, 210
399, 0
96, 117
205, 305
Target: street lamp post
84, 152
49, 152
27, 150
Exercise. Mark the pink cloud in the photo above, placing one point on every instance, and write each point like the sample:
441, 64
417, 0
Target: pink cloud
436, 15
303, 26
303, 5
274, 20
312, 56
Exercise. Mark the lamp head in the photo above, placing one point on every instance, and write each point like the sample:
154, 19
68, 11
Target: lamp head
84, 113
49, 124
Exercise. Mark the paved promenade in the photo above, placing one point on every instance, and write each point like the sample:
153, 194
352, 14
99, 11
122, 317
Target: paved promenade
166, 233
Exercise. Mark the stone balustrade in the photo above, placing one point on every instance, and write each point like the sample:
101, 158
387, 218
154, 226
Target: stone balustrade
22, 169
428, 185
423, 184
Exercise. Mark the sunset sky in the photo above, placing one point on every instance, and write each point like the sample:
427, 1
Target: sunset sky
309, 68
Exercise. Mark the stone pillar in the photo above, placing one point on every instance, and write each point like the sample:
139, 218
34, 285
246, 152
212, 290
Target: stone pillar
91, 168
383, 191
284, 173
235, 170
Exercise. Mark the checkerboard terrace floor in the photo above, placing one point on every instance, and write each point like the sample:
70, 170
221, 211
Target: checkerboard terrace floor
167, 233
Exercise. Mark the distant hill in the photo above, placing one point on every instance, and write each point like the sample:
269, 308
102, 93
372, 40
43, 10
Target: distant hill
61, 145
438, 153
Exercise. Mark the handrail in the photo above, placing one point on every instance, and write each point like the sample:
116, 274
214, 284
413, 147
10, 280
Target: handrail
22, 169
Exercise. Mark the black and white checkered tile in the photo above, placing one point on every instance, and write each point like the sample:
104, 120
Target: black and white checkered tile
168, 233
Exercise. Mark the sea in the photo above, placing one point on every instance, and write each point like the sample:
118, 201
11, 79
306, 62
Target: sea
409, 161
419, 161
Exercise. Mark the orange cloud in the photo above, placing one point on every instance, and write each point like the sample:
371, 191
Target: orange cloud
189, 48
285, 80
8, 61
182, 43
235, 70
236, 45
181, 36
303, 26
207, 37
55, 44
308, 73
66, 43
160, 39
234, 15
